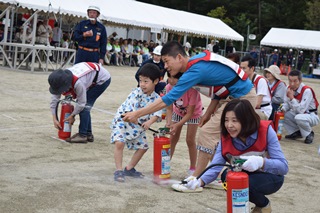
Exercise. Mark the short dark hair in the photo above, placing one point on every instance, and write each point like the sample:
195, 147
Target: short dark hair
151, 71
177, 76
296, 73
246, 115
173, 48
235, 57
251, 61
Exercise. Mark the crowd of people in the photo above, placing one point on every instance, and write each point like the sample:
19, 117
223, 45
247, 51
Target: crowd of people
239, 96
48, 32
131, 52
294, 59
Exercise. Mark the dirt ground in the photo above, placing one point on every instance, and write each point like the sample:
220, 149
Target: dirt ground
39, 173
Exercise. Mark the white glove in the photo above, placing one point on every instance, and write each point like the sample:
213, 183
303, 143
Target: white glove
193, 182
252, 163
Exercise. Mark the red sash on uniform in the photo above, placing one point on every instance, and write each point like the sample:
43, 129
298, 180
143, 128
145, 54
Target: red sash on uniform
220, 91
79, 70
274, 87
299, 96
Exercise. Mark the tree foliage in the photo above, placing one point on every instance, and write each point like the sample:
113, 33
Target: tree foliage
220, 13
313, 15
260, 15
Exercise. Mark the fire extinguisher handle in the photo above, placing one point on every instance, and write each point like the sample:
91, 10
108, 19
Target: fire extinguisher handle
239, 161
152, 130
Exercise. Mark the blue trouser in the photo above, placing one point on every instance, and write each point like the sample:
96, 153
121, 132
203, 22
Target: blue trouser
261, 184
87, 56
85, 117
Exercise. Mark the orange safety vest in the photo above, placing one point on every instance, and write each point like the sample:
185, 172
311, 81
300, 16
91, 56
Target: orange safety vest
228, 150
221, 91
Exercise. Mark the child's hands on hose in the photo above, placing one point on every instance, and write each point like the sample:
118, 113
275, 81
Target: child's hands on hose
146, 125
173, 128
253, 163
193, 182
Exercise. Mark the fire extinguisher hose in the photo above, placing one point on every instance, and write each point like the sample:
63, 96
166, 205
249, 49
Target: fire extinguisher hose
57, 107
67, 98
237, 164
209, 167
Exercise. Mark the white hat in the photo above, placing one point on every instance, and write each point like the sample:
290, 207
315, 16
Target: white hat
276, 50
94, 8
188, 45
157, 50
301, 51
290, 50
274, 70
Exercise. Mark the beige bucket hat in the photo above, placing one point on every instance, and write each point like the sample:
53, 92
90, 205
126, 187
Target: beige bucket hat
274, 70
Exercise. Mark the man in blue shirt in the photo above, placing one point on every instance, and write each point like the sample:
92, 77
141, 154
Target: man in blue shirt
216, 73
91, 36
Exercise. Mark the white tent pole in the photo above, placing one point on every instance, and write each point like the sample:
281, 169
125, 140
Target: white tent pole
248, 31
185, 39
259, 60
5, 37
207, 41
11, 23
242, 46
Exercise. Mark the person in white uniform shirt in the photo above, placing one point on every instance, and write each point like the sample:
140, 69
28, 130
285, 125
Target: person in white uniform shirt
263, 107
300, 108
85, 81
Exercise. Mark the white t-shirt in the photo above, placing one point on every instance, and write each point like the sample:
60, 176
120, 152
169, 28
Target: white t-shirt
263, 89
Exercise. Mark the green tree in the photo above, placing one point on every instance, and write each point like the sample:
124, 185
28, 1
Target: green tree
241, 25
313, 15
262, 14
220, 13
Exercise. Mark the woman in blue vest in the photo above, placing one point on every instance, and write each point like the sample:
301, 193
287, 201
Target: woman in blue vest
257, 143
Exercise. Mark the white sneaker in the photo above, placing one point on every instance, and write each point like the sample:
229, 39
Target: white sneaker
179, 187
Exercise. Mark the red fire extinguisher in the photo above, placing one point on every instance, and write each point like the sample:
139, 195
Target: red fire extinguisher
66, 110
237, 192
278, 123
161, 156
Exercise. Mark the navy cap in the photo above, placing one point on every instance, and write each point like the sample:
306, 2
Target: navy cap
60, 81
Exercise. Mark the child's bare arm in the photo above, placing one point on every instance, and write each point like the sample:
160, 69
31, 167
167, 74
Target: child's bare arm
190, 111
169, 115
174, 127
146, 125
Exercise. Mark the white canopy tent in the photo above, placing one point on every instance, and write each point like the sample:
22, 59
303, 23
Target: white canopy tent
138, 14
292, 38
